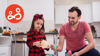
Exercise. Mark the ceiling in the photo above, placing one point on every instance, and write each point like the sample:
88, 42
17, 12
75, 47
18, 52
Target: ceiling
73, 2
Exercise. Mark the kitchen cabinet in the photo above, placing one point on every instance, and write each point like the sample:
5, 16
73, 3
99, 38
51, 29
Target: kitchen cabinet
67, 11
5, 51
5, 46
46, 7
87, 13
5, 41
96, 11
32, 7
61, 13
81, 7
19, 50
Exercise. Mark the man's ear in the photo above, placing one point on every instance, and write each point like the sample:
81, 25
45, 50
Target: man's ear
79, 17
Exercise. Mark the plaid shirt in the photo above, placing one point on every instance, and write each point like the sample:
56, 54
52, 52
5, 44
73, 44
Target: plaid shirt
34, 36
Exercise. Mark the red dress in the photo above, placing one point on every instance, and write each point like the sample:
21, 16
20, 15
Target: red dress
34, 36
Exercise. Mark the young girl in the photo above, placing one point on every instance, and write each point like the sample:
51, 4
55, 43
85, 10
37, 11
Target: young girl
35, 36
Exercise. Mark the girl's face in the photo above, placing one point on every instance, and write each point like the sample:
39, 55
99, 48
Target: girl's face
38, 24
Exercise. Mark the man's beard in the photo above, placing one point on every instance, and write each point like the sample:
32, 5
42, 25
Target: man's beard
73, 22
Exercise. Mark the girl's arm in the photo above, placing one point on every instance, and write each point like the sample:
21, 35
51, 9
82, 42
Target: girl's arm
29, 41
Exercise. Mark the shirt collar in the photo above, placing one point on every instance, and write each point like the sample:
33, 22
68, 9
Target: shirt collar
36, 31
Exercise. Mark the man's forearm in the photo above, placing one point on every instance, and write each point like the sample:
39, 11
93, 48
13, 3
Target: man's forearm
87, 48
59, 48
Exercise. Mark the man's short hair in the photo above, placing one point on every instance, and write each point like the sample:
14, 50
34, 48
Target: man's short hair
76, 9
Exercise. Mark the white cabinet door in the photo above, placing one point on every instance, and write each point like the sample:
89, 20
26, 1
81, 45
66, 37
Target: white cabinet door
19, 49
5, 51
81, 7
60, 14
87, 13
46, 7
67, 11
96, 11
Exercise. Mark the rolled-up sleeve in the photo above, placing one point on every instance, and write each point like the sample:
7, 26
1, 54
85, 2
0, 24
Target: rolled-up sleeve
62, 31
87, 27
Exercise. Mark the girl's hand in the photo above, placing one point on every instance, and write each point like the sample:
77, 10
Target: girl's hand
75, 54
48, 47
38, 44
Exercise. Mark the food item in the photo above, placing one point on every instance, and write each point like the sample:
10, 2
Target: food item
6, 32
16, 32
50, 30
54, 46
44, 44
54, 31
69, 53
11, 32
21, 33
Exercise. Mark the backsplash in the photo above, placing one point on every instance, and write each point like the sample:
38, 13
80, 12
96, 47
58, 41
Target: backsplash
96, 25
24, 25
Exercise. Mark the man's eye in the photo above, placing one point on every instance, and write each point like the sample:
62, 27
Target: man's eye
73, 18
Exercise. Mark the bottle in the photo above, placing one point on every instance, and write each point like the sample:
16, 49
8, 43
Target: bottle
69, 53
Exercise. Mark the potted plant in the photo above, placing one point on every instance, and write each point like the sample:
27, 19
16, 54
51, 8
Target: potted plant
93, 31
1, 30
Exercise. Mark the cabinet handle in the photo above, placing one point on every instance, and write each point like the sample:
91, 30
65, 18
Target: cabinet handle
2, 53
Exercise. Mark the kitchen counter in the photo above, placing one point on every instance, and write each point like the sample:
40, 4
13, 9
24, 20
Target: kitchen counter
93, 37
26, 34
96, 37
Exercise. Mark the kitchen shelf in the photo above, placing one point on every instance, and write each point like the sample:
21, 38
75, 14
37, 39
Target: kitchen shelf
26, 34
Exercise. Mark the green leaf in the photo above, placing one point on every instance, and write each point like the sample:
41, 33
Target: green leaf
1, 30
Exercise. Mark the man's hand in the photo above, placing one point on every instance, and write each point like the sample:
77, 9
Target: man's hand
53, 48
76, 54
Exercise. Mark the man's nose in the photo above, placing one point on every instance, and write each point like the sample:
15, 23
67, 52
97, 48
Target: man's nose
70, 19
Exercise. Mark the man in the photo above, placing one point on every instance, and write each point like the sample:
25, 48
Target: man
75, 32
